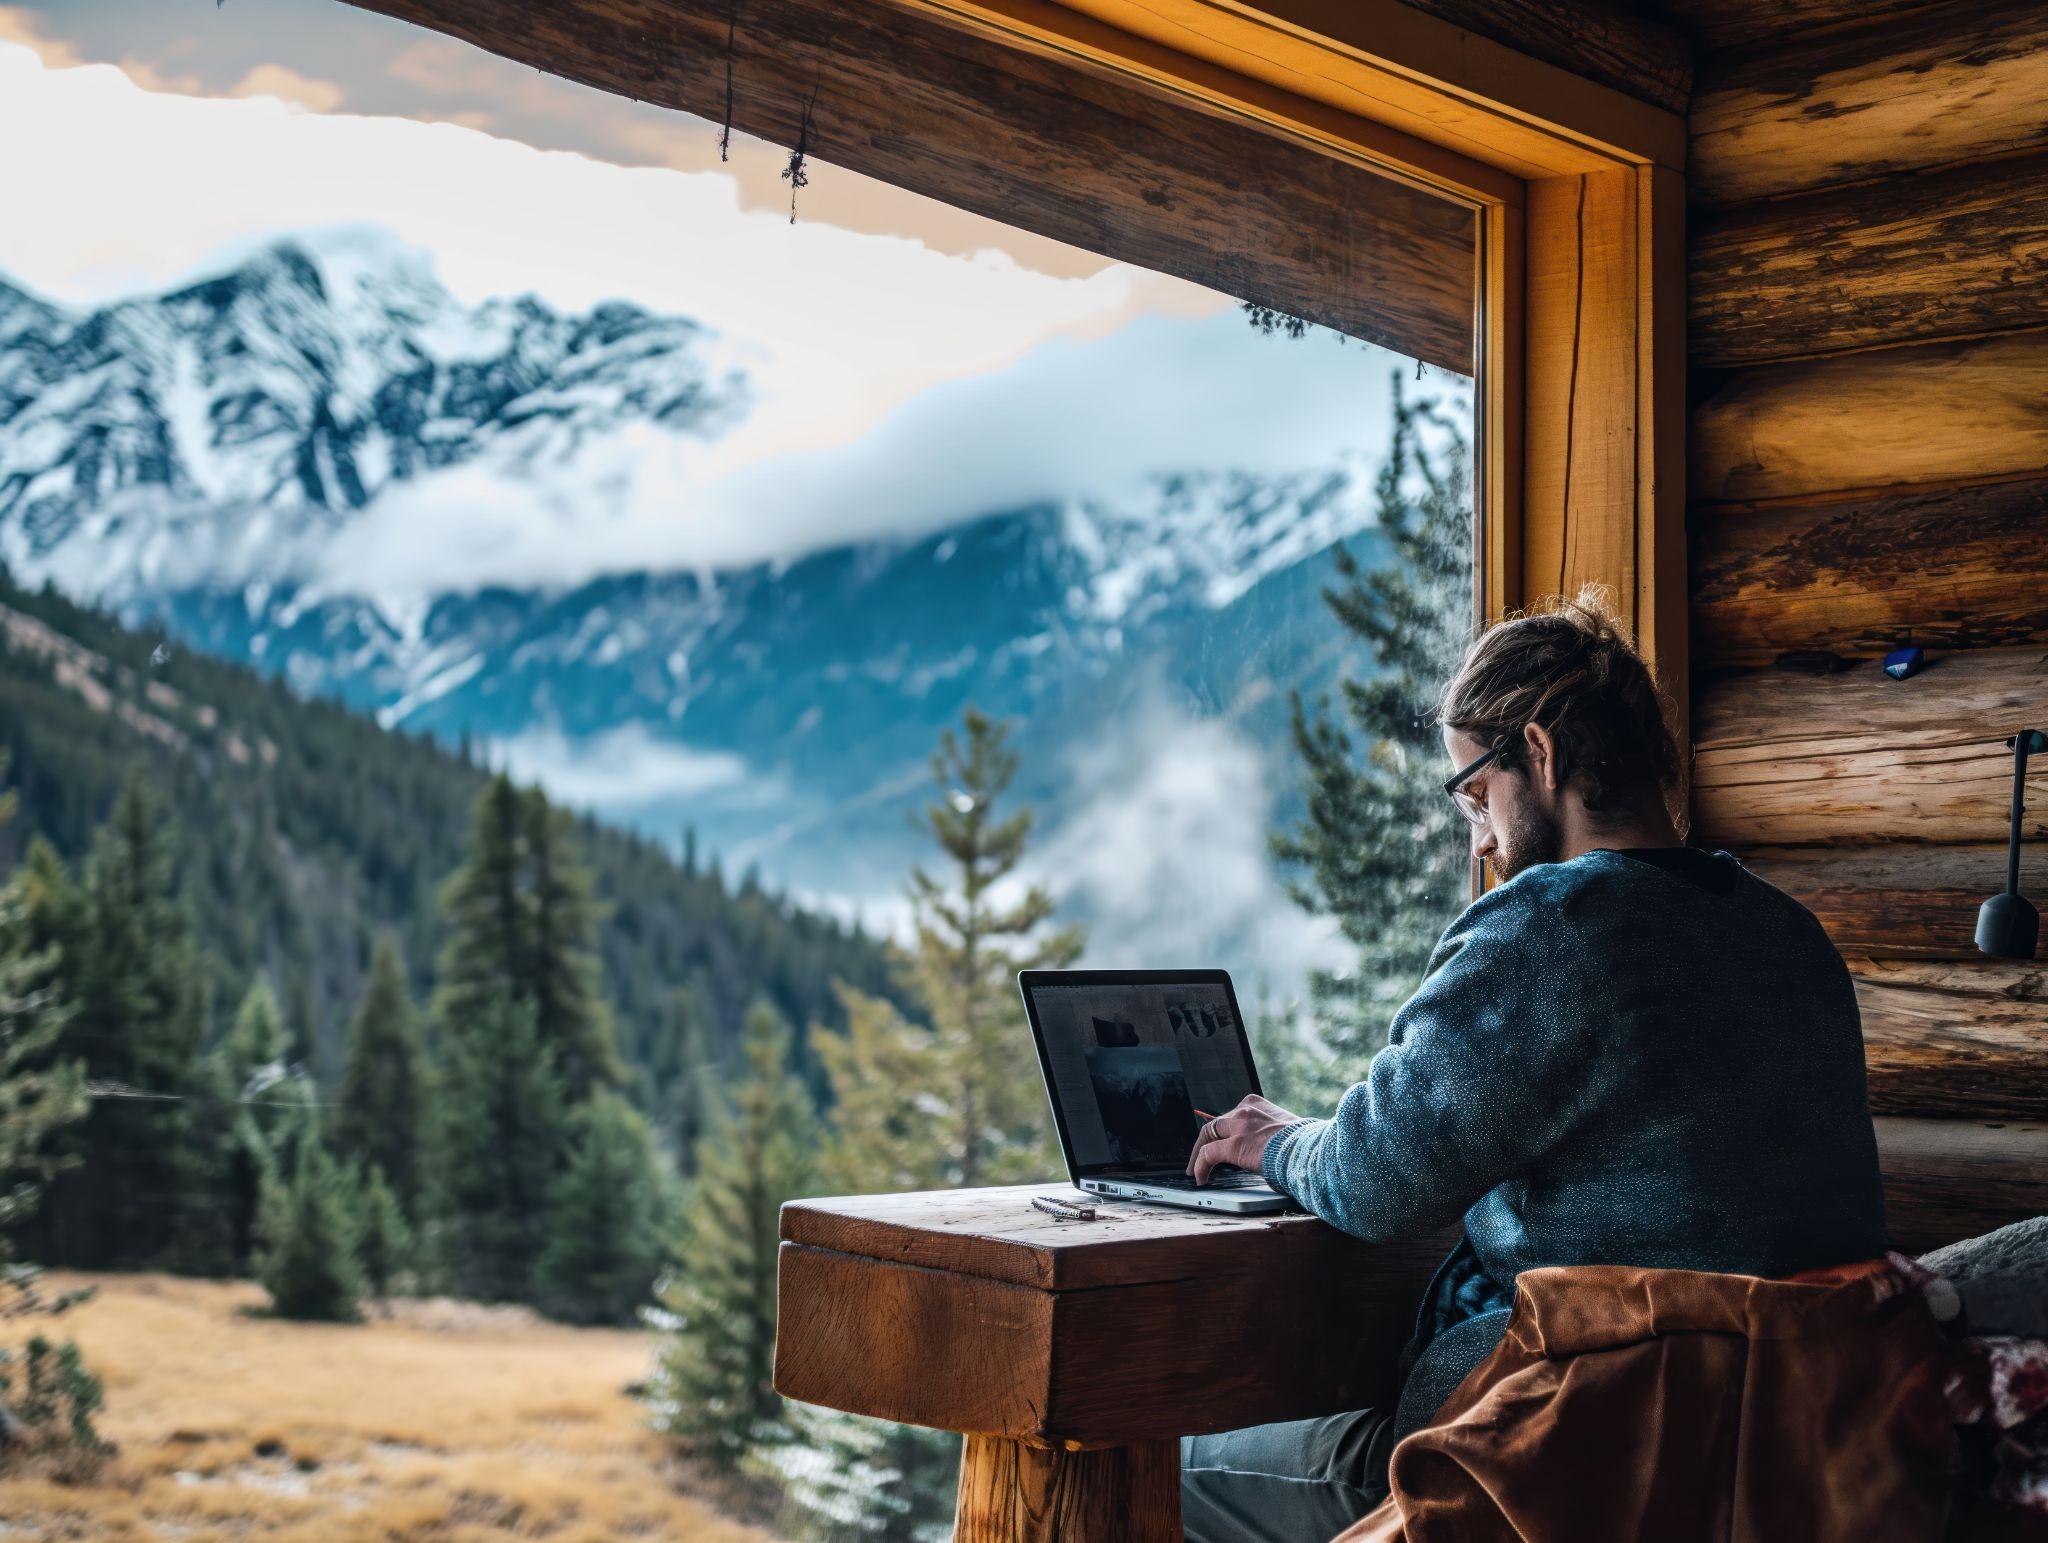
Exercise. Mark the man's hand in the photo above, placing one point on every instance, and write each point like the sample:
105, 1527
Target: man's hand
1238, 1136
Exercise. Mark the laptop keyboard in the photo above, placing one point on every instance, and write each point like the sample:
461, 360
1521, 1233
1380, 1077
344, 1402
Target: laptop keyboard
1234, 1178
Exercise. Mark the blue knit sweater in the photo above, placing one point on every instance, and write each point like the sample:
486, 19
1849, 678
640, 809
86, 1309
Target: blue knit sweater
1649, 1058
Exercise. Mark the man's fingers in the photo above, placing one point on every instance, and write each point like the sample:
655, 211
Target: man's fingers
1211, 1155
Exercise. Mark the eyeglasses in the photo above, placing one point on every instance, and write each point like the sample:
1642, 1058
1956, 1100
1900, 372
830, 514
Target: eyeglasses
1470, 804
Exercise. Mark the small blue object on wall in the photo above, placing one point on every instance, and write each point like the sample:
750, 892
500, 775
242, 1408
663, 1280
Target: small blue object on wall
1902, 663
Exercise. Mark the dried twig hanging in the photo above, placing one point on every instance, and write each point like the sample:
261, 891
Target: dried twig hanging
797, 172
732, 27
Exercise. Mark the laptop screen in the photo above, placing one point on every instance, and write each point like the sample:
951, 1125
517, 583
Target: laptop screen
1129, 1060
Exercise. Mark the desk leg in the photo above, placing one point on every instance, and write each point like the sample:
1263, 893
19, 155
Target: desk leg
1013, 1493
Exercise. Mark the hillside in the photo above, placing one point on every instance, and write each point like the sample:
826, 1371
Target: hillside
304, 829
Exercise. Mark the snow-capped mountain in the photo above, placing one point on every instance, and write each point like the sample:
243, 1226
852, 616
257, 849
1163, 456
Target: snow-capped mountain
171, 439
190, 457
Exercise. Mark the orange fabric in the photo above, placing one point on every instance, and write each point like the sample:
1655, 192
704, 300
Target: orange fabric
1679, 1405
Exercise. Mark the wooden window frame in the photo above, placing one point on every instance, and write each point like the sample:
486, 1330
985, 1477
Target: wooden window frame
1580, 318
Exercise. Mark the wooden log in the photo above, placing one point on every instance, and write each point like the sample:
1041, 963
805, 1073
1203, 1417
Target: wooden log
1948, 567
1014, 1493
1736, 25
1787, 759
1923, 90
1959, 252
1955, 1039
1899, 902
1946, 1180
1933, 412
1114, 166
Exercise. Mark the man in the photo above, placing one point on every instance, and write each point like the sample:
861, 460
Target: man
1629, 1051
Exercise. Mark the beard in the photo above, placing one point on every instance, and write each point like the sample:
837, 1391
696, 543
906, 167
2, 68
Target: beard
1533, 836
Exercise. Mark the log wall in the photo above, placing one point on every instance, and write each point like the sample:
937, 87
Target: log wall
1868, 466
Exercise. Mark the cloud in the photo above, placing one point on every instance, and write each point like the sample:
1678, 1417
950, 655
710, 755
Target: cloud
184, 185
1167, 860
619, 771
21, 27
1077, 418
286, 84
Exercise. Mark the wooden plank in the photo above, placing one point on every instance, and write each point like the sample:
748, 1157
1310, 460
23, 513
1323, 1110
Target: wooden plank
1958, 252
1945, 567
1933, 412
1923, 90
1662, 615
1113, 165
1955, 1039
1580, 491
926, 1347
1014, 1493
1898, 901
1301, 1343
1946, 1180
995, 1234
1783, 758
1396, 64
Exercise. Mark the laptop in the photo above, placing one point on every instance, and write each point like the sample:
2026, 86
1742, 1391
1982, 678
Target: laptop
1129, 1056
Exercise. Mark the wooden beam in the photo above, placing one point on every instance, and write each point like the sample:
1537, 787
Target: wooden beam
1054, 145
1395, 64
1924, 90
1946, 567
1934, 412
1946, 1180
1959, 252
1898, 901
1952, 1039
1783, 758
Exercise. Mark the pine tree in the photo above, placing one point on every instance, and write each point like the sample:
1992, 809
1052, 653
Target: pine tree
309, 1236
521, 917
251, 1101
484, 908
567, 985
989, 1111
526, 1037
130, 974
713, 1386
606, 1217
501, 1137
1382, 848
885, 1075
383, 1083
386, 1247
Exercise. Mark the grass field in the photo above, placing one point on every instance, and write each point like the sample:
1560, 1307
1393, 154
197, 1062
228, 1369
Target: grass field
442, 1421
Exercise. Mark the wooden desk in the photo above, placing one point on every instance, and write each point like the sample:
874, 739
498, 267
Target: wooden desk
1074, 1354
